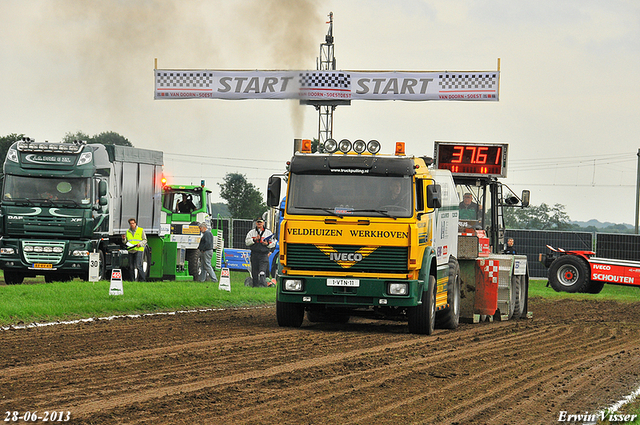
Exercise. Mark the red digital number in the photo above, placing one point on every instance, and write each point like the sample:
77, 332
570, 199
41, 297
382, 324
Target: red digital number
458, 152
481, 156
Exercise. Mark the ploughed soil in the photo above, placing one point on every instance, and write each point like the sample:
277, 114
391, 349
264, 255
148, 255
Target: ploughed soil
239, 367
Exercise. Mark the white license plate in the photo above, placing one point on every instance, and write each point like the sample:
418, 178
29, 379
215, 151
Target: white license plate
352, 283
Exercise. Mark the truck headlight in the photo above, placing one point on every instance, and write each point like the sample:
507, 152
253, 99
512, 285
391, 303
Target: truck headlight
7, 251
80, 253
395, 288
293, 285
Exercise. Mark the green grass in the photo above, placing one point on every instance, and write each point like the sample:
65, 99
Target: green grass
538, 288
36, 301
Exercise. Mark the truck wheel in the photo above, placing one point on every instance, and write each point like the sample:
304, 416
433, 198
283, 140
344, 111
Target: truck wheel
422, 317
449, 318
569, 273
289, 315
146, 263
13, 278
519, 296
194, 263
274, 266
525, 296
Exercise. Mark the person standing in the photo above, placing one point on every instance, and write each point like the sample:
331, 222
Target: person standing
205, 248
260, 240
135, 240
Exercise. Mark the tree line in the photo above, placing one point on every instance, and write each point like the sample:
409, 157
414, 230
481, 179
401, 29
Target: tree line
245, 201
243, 198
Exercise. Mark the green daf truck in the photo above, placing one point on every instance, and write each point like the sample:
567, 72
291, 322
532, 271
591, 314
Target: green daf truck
65, 208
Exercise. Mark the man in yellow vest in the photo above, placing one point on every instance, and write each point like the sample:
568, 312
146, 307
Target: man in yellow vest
135, 240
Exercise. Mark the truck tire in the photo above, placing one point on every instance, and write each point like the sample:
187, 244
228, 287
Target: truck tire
13, 278
569, 273
525, 292
146, 263
519, 296
449, 318
194, 263
289, 315
274, 266
422, 318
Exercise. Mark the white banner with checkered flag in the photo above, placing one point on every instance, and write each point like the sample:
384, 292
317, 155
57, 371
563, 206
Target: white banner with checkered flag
326, 85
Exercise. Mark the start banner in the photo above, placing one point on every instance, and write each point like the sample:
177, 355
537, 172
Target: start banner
326, 85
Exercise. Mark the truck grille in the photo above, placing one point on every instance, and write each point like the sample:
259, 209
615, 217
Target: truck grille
51, 226
383, 259
43, 257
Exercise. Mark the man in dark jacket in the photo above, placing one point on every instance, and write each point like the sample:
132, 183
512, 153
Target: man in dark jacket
510, 249
205, 249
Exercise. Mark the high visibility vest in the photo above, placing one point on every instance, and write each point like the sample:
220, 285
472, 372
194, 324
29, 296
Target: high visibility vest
134, 239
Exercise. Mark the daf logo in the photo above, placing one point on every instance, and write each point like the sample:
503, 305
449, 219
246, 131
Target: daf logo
337, 256
15, 217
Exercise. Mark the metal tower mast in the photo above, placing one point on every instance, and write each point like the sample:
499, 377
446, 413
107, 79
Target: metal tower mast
326, 62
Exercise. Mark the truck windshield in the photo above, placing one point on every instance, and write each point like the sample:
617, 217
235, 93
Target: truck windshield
182, 201
47, 190
358, 195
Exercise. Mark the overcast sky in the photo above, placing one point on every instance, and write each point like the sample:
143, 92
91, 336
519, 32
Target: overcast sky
569, 94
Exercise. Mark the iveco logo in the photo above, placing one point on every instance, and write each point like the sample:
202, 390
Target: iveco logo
15, 217
343, 256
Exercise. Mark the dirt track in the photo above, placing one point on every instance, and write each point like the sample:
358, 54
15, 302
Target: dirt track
238, 366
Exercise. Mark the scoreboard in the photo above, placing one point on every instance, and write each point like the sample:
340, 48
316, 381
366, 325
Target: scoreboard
471, 159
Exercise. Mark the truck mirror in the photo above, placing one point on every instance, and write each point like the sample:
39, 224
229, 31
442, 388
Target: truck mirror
273, 192
434, 197
103, 201
525, 198
102, 188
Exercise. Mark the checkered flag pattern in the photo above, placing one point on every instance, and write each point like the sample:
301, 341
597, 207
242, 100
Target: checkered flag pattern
326, 80
468, 81
491, 268
184, 80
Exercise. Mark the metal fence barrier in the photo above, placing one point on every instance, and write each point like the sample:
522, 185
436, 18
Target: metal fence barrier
528, 242
619, 246
533, 242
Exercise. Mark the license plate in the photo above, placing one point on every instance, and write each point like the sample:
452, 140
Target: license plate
352, 283
42, 266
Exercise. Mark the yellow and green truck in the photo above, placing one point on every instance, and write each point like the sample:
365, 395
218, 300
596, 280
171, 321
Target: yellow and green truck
367, 234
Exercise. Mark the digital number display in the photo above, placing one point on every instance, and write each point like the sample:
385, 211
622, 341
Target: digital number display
472, 159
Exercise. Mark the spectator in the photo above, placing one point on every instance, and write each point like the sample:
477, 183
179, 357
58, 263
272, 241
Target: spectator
205, 248
135, 240
510, 249
260, 240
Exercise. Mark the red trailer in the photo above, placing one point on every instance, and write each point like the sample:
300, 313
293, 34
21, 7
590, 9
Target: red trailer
582, 271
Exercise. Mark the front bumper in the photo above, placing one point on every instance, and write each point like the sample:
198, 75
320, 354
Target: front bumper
369, 292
